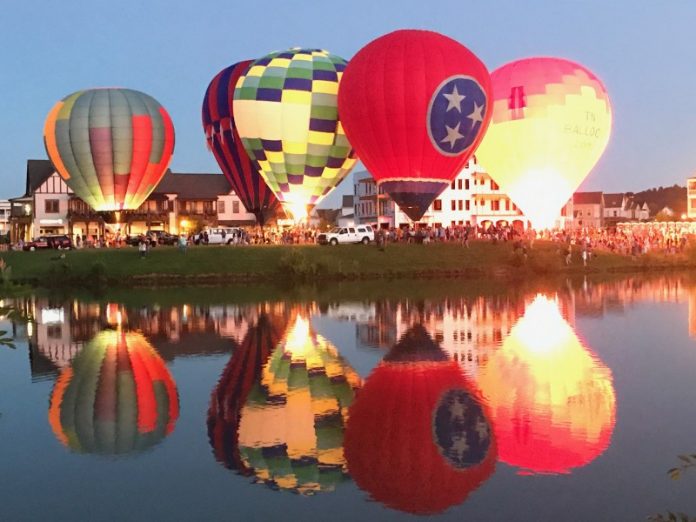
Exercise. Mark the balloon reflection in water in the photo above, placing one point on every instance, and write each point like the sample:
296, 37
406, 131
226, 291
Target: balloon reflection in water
239, 377
418, 439
290, 427
117, 397
552, 400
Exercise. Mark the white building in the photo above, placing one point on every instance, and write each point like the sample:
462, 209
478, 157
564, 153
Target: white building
691, 198
472, 198
4, 217
621, 207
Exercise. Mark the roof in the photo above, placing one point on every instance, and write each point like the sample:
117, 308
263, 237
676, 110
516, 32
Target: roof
347, 201
587, 198
38, 171
193, 186
613, 200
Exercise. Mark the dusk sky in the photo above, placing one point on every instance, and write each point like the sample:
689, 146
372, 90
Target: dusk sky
642, 50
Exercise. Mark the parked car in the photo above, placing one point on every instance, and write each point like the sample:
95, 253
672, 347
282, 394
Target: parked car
162, 238
219, 236
343, 235
43, 242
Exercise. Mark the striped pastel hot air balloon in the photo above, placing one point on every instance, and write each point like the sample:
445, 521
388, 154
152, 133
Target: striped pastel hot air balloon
224, 141
117, 397
286, 111
291, 425
111, 146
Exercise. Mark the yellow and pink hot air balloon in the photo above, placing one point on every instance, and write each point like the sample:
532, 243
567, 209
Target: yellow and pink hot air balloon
111, 146
551, 123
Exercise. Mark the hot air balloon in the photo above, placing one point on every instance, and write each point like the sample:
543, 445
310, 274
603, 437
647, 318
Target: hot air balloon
552, 401
414, 105
290, 427
117, 397
111, 146
286, 112
551, 123
224, 141
418, 438
239, 377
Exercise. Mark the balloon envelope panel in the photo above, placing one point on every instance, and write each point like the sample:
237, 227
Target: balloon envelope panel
111, 146
286, 111
223, 140
415, 105
551, 123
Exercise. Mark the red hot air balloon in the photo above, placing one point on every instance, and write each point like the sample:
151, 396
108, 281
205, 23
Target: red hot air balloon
418, 439
414, 105
227, 147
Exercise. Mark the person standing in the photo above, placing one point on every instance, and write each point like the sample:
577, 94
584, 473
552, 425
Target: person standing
142, 248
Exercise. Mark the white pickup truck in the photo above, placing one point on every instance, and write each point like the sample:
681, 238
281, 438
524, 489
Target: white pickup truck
343, 235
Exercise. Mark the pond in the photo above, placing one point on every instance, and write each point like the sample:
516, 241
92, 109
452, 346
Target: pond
571, 400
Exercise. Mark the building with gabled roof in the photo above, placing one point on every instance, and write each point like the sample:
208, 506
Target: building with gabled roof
588, 210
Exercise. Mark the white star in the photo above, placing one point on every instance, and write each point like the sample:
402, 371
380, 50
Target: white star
452, 135
458, 409
477, 115
454, 99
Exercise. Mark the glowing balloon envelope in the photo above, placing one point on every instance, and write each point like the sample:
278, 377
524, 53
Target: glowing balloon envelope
291, 425
285, 107
551, 123
117, 397
415, 105
111, 146
418, 438
552, 402
223, 140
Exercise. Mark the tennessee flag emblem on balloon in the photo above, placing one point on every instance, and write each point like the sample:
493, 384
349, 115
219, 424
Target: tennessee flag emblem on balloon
414, 105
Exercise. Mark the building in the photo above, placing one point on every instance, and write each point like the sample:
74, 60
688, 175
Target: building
620, 207
691, 198
588, 210
5, 207
181, 203
346, 217
472, 198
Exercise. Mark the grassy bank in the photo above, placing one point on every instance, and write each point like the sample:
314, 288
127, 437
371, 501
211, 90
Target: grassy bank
310, 263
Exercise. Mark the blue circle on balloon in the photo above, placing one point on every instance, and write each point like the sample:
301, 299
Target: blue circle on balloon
456, 114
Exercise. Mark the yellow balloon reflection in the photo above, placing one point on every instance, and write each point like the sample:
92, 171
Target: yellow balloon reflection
291, 427
552, 401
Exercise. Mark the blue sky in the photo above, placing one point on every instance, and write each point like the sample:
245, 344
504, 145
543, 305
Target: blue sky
644, 51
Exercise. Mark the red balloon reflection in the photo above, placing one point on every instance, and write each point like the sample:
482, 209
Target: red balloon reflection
552, 400
418, 440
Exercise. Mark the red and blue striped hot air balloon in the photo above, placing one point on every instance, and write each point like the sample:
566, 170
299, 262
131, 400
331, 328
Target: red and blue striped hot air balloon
111, 146
223, 140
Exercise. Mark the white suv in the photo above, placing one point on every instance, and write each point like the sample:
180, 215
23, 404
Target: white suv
342, 235
221, 236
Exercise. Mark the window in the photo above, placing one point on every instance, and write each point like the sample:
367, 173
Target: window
467, 205
693, 203
460, 204
459, 183
615, 213
52, 206
453, 205
54, 331
466, 184
453, 182
494, 185
437, 204
221, 207
495, 204
507, 204
235, 207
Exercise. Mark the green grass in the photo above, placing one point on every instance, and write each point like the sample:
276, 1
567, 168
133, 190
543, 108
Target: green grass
291, 264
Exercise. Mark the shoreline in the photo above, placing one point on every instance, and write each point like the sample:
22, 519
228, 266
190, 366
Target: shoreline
320, 265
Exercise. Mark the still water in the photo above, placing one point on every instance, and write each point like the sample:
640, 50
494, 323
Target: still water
570, 402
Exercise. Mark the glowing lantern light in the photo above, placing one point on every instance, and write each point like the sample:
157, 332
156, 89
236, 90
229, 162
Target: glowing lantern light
111, 146
415, 105
418, 438
290, 429
285, 107
552, 402
551, 123
117, 397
